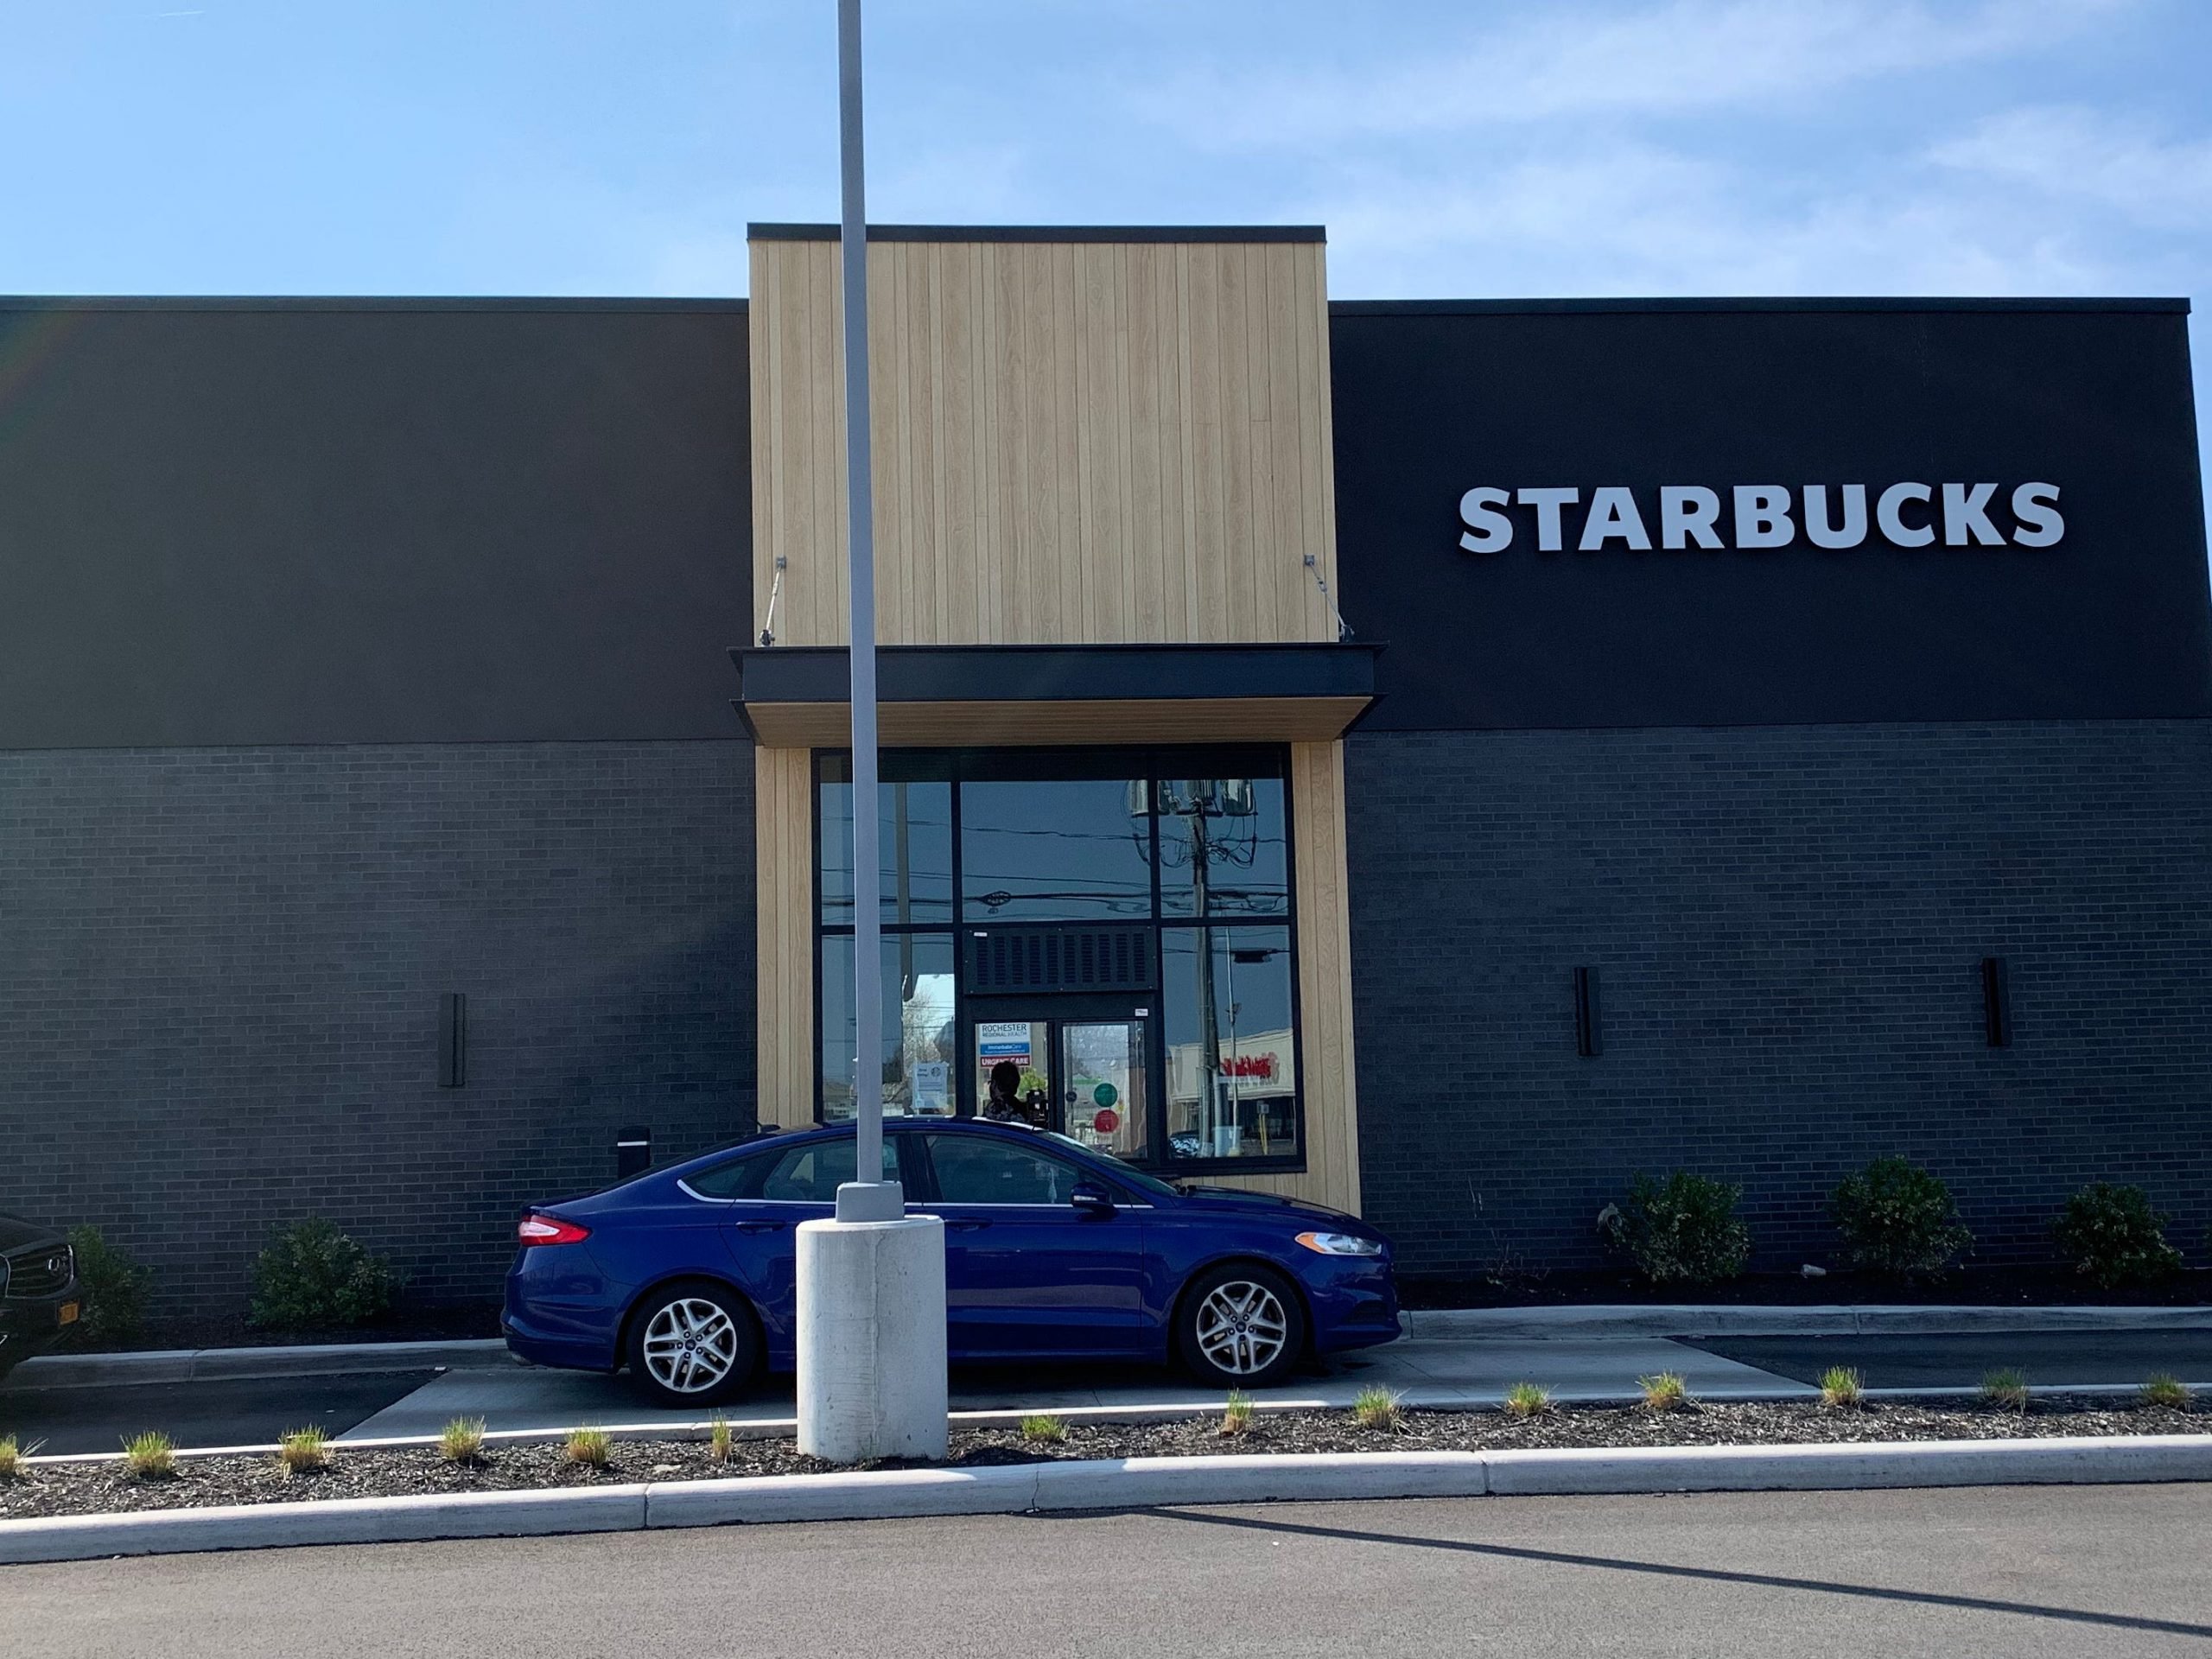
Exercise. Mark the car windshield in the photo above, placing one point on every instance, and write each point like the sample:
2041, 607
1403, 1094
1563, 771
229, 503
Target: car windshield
1127, 1172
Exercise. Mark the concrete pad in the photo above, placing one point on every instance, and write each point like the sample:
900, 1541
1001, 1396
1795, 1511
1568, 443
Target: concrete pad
1424, 1373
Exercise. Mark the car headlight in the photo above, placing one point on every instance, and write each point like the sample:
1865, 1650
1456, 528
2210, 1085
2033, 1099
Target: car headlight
1340, 1244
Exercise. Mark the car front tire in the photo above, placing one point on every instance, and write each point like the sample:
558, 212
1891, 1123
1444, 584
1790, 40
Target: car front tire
1241, 1325
692, 1344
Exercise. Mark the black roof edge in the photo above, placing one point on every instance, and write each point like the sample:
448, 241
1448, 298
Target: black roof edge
346, 302
799, 232
1749, 302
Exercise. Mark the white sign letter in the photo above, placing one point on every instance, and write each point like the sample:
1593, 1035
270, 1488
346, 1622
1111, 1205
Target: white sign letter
2035, 506
1488, 530
1612, 512
1854, 516
1763, 517
1964, 513
1547, 504
1887, 514
1686, 514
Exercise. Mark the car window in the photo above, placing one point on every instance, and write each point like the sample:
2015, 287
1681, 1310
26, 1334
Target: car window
981, 1169
812, 1173
733, 1178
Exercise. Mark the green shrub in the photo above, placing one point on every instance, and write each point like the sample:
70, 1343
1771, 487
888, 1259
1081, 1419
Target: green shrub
312, 1275
1682, 1230
1897, 1219
2114, 1237
115, 1288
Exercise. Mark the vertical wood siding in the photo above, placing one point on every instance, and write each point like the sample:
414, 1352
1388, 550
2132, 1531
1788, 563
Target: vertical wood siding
1075, 442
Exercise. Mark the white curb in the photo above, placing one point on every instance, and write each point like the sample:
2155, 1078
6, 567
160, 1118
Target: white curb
233, 1364
1638, 1320
1133, 1483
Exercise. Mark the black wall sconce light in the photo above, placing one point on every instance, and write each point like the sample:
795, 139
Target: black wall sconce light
1589, 1042
453, 1040
1996, 1002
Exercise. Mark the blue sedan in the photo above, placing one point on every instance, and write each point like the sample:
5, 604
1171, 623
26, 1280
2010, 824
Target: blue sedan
1052, 1252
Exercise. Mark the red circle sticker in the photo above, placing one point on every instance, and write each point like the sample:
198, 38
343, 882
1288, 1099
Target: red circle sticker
1106, 1123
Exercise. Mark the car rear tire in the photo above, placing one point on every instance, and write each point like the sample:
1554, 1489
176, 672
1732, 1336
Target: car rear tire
692, 1344
1241, 1325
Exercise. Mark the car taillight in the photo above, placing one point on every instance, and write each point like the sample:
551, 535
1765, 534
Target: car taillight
549, 1229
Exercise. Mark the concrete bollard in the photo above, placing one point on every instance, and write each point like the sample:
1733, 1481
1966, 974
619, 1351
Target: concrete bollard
871, 1339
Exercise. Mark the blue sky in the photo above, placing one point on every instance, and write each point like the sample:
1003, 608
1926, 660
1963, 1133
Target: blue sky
1628, 147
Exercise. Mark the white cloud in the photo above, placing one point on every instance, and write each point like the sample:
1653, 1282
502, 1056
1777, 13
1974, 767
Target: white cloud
1685, 57
2078, 153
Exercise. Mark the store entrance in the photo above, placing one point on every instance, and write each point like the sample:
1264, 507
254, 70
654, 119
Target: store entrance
1079, 1065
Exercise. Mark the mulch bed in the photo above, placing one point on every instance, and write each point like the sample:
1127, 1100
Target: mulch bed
83, 1489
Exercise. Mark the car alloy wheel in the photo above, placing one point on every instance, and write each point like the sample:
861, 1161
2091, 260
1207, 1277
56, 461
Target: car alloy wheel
1241, 1328
691, 1345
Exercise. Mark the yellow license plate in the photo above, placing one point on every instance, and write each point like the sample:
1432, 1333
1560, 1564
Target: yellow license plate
68, 1314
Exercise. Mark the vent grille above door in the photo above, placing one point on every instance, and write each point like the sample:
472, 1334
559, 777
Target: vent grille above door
1015, 959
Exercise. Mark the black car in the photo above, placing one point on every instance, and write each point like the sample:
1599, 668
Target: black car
38, 1297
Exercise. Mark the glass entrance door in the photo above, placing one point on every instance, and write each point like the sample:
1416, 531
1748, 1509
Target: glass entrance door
1101, 1075
1014, 1077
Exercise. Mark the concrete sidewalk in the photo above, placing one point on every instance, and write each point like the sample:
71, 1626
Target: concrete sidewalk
1424, 1373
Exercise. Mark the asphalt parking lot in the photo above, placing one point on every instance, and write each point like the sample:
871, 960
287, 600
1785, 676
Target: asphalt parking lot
2048, 1358
251, 1411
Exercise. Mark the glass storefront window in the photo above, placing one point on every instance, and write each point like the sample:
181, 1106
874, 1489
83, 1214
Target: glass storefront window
918, 1038
1070, 850
1223, 847
913, 847
1232, 1052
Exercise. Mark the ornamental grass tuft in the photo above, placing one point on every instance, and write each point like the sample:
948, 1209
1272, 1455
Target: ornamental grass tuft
592, 1448
2006, 1387
1044, 1430
1842, 1389
150, 1456
1526, 1400
461, 1440
1668, 1391
1378, 1408
1239, 1414
721, 1439
304, 1451
11, 1457
2164, 1388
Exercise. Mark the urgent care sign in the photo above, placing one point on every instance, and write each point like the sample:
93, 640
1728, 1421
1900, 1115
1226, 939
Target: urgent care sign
1607, 514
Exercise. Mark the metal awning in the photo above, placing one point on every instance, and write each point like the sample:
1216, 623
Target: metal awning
968, 697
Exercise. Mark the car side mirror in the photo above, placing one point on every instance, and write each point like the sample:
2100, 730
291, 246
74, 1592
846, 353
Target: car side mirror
1091, 1199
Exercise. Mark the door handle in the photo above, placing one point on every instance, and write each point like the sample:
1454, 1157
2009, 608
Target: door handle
760, 1226
965, 1226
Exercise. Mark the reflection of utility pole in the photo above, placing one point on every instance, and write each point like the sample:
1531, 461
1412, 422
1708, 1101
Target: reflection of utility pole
1209, 1020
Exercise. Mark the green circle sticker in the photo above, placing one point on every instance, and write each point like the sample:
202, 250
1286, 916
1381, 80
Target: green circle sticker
1105, 1094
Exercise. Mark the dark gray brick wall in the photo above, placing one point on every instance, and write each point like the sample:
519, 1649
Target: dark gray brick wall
1789, 924
220, 971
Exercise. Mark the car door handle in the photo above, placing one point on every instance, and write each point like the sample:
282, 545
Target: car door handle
760, 1226
965, 1226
